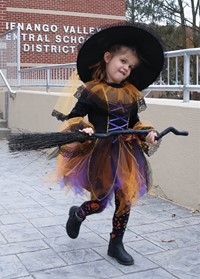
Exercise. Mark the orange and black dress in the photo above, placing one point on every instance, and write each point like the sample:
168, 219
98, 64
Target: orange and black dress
102, 166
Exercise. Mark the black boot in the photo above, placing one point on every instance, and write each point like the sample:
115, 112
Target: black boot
117, 251
73, 223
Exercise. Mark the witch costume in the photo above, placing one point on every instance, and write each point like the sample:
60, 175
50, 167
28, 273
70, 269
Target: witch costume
102, 166
116, 166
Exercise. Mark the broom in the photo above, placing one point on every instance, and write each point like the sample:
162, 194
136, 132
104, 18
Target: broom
38, 141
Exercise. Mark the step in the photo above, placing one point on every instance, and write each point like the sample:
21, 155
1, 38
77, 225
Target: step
4, 132
3, 123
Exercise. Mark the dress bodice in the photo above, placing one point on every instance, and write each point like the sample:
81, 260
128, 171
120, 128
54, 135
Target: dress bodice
108, 107
118, 117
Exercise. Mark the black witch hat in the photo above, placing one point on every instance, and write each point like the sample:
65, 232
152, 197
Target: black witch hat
139, 36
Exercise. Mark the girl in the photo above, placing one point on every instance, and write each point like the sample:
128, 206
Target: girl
113, 64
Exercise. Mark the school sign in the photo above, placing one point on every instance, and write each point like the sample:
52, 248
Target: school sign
51, 31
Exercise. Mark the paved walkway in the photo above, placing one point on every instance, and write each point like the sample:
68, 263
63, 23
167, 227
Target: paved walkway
163, 238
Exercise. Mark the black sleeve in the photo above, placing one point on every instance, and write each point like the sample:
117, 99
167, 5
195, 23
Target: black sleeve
82, 107
133, 116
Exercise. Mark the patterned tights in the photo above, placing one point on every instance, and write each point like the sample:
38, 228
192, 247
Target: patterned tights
95, 206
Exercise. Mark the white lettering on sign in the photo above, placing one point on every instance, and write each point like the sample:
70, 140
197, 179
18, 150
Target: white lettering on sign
32, 27
69, 39
48, 48
37, 37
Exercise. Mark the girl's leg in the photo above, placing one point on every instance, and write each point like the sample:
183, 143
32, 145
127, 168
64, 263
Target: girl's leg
78, 214
90, 207
116, 247
119, 222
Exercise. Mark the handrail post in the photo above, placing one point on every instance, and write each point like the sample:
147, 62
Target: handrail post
48, 80
186, 78
18, 56
6, 106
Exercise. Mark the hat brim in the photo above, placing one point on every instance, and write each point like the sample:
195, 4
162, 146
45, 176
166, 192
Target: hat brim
148, 45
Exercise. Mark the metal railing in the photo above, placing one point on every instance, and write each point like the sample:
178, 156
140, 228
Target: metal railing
46, 76
10, 56
7, 84
10, 92
181, 73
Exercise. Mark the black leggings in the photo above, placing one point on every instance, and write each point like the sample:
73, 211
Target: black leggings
119, 222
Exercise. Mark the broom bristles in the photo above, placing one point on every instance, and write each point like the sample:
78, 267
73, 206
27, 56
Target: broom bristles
36, 141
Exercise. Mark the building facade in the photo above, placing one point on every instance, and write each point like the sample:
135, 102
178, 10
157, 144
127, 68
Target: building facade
52, 30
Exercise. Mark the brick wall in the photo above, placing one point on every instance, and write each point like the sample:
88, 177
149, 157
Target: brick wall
114, 7
51, 30
2, 15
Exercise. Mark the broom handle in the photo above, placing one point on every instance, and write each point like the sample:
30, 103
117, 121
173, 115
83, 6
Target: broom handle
138, 132
172, 130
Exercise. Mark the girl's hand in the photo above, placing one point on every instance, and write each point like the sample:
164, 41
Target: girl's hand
150, 138
88, 131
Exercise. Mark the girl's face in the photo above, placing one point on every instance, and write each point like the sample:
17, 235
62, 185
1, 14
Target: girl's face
120, 64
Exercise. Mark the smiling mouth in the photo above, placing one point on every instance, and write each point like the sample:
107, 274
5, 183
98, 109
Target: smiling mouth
122, 73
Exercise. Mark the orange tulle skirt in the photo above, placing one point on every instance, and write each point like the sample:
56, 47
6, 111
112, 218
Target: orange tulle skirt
103, 166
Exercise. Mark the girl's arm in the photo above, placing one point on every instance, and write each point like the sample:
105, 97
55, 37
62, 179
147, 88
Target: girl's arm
82, 107
147, 142
75, 119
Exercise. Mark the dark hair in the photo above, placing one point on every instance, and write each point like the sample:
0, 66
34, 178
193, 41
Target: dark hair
99, 69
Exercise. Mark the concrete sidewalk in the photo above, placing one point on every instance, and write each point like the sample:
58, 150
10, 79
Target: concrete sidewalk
163, 238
